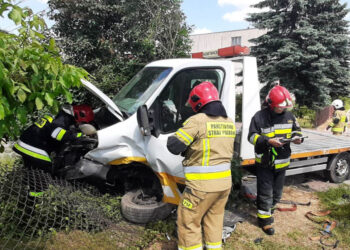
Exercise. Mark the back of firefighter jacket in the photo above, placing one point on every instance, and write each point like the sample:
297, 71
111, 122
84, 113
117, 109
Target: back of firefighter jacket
210, 142
339, 121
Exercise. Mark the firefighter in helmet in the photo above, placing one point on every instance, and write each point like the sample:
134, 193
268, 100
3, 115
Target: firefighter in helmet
339, 120
42, 138
206, 140
269, 132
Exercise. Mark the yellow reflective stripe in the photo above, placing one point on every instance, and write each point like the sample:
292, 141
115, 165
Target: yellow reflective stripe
343, 119
32, 154
331, 124
208, 176
49, 118
274, 151
263, 216
61, 134
256, 138
213, 243
338, 129
186, 137
282, 165
283, 131
199, 246
42, 124
258, 160
270, 135
206, 152
79, 134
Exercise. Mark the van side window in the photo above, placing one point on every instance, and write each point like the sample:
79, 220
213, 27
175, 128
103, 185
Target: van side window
172, 100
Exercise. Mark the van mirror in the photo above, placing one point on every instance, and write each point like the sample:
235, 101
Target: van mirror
143, 120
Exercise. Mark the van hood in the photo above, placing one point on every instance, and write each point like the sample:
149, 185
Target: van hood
104, 98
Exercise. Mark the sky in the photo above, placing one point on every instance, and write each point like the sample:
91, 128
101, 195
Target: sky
204, 15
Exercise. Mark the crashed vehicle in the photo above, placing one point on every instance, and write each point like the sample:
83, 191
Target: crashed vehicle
132, 131
133, 128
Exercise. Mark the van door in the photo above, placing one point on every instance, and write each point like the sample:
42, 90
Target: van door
169, 112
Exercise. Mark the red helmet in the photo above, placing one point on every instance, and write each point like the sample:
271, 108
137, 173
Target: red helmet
83, 113
279, 97
202, 94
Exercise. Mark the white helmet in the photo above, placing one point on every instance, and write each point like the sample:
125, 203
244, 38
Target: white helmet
337, 104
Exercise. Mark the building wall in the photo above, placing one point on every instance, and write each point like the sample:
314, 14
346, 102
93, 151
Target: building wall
213, 41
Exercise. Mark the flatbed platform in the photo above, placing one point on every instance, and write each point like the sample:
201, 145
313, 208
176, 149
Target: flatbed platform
317, 144
320, 143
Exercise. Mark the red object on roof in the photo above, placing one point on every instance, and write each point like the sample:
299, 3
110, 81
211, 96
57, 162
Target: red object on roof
197, 55
223, 52
233, 51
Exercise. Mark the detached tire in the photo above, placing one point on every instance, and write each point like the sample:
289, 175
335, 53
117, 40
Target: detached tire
339, 167
138, 210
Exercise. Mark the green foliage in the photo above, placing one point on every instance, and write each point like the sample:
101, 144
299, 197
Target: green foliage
346, 101
32, 74
305, 116
338, 201
306, 48
114, 39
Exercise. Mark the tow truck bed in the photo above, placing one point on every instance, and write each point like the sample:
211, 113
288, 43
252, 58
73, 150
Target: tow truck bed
313, 153
319, 143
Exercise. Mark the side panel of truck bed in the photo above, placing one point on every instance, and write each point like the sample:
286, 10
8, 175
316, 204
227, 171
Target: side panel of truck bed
317, 144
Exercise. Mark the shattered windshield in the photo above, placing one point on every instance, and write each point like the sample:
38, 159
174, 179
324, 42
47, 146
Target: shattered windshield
137, 91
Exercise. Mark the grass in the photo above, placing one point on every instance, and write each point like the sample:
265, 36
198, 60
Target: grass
338, 201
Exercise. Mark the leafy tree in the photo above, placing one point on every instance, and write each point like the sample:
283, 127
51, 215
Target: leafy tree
306, 47
32, 74
113, 39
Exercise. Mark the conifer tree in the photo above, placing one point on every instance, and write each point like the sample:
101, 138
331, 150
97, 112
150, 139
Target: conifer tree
306, 48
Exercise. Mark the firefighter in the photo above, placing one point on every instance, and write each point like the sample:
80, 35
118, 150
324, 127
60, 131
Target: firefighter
267, 130
206, 141
339, 120
42, 138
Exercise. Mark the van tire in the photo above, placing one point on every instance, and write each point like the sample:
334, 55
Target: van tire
139, 211
338, 168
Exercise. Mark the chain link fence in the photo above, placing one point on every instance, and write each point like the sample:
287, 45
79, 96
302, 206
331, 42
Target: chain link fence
38, 211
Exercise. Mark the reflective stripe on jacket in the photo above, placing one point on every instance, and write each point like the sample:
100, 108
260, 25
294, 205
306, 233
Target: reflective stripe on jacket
32, 151
266, 125
339, 121
209, 142
47, 134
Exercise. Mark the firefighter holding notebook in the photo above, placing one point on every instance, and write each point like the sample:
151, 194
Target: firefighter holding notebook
271, 131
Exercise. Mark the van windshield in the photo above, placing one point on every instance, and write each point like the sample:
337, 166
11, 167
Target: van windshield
137, 91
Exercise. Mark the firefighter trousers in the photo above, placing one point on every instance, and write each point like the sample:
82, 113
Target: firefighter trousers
199, 210
269, 192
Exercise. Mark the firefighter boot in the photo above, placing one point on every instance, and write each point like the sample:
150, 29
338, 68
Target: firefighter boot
266, 225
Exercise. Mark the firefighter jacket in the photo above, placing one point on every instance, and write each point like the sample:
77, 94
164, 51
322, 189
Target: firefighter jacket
267, 124
339, 121
46, 136
208, 149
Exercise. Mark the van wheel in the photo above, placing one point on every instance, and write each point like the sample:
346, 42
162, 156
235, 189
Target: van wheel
338, 168
140, 209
